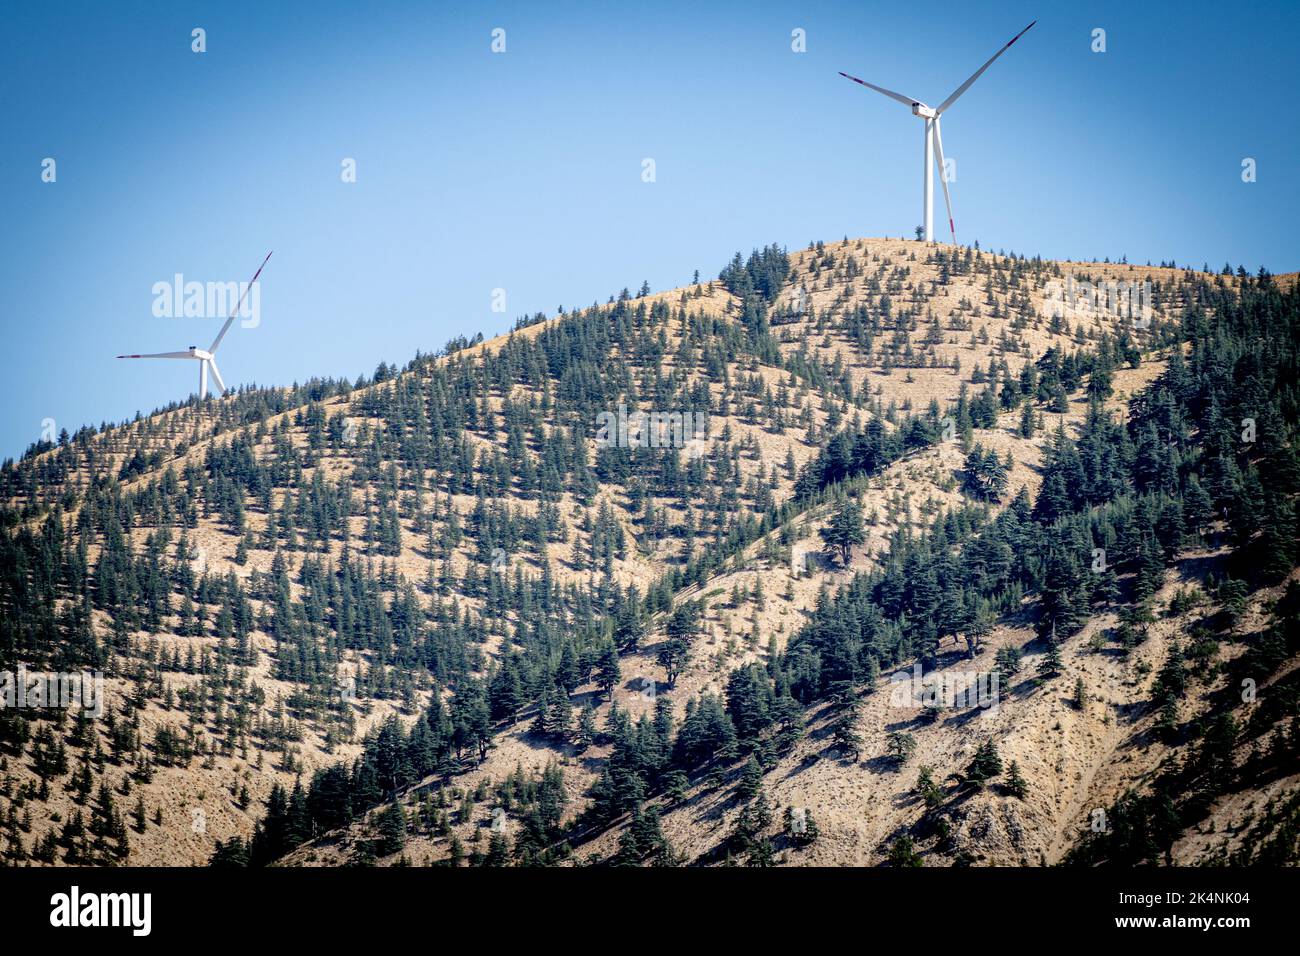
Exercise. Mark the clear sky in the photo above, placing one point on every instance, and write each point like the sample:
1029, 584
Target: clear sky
523, 170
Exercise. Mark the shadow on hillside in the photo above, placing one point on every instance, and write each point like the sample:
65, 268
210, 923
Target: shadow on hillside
881, 764
963, 719
1198, 567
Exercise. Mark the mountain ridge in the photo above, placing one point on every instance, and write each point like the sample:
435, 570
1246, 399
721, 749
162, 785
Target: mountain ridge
883, 328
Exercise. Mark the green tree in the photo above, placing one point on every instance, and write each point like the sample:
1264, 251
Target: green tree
1016, 785
751, 779
844, 530
586, 729
608, 672
902, 853
927, 789
901, 747
985, 766
844, 732
392, 829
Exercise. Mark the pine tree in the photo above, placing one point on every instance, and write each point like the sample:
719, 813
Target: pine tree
1051, 664
586, 729
927, 789
844, 733
902, 853
844, 529
985, 766
392, 829
901, 747
1026, 429
751, 779
498, 853
1016, 785
608, 672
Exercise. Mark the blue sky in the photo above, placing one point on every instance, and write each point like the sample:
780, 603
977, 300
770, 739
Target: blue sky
523, 170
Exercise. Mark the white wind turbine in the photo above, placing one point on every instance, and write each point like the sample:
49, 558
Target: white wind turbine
207, 358
933, 138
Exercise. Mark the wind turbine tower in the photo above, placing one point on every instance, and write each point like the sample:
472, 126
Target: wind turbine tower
934, 138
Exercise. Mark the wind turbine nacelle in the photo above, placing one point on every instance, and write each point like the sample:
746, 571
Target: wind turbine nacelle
920, 109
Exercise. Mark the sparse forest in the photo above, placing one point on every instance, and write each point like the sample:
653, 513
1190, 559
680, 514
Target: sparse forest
336, 618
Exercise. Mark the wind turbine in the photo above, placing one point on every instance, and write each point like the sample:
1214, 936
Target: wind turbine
207, 358
934, 139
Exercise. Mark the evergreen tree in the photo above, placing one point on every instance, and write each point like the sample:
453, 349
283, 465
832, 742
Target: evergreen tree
1016, 785
985, 766
392, 829
608, 672
902, 853
844, 529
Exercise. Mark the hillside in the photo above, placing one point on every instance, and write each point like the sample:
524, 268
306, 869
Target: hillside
433, 615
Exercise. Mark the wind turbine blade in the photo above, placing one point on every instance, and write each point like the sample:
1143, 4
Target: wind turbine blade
905, 100
174, 355
225, 328
943, 178
965, 86
216, 375
238, 305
